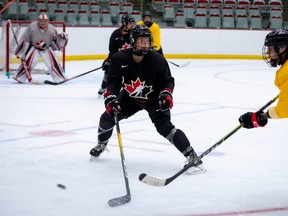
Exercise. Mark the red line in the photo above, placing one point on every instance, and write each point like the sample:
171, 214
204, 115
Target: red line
36, 125
243, 212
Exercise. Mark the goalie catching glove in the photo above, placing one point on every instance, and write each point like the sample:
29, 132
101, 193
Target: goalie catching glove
63, 35
60, 42
111, 103
165, 100
252, 120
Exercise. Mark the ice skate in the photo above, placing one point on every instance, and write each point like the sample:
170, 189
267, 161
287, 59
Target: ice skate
97, 151
17, 80
198, 168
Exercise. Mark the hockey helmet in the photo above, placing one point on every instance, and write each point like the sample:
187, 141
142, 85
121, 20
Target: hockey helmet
146, 13
126, 18
140, 31
43, 21
278, 39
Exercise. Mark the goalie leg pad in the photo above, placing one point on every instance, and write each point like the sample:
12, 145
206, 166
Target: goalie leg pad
22, 49
53, 65
31, 60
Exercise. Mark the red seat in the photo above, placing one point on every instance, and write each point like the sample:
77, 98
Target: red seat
217, 2
189, 1
206, 2
230, 2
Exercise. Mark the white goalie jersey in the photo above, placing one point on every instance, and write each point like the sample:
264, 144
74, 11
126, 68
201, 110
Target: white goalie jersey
36, 43
40, 40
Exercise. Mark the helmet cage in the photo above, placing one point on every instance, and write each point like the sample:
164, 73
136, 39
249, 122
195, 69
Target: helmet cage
140, 31
266, 57
278, 39
43, 21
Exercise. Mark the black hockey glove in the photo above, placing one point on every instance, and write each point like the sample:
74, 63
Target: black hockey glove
106, 64
252, 120
111, 103
165, 100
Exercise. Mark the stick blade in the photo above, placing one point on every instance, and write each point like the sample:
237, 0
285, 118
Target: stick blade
119, 201
50, 83
149, 180
185, 64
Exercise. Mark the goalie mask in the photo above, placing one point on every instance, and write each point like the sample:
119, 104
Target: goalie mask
274, 51
128, 22
140, 39
43, 22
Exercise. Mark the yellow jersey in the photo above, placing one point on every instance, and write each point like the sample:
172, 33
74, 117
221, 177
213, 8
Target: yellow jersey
281, 81
155, 30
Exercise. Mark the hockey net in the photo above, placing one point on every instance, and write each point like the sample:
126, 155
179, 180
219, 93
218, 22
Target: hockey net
8, 61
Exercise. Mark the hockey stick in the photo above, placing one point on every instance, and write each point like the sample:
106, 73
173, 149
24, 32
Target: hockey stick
126, 198
69, 79
177, 65
23, 61
163, 182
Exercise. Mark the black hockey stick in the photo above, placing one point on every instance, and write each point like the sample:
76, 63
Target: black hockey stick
126, 198
163, 182
71, 78
177, 65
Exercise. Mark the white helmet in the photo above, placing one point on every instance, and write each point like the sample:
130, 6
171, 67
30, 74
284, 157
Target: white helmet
43, 21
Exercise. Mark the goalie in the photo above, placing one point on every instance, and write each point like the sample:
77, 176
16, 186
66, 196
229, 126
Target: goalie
40, 39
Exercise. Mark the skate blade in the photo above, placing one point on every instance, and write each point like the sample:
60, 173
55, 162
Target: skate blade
92, 158
196, 170
35, 82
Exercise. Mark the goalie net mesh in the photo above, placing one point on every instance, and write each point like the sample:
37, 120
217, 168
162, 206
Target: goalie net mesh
8, 61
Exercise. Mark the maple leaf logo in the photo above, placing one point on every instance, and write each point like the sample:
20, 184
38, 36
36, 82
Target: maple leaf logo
138, 89
124, 46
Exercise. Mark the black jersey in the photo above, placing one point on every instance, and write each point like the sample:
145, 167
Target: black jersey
141, 81
118, 41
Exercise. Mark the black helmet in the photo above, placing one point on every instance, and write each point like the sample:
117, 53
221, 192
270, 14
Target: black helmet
146, 13
277, 38
126, 18
140, 31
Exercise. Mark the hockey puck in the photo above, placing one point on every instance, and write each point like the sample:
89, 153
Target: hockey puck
61, 186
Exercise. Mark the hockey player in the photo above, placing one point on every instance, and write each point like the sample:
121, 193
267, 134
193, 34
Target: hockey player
119, 39
275, 52
155, 30
40, 39
140, 79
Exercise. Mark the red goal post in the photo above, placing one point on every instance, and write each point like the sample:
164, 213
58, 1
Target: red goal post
8, 61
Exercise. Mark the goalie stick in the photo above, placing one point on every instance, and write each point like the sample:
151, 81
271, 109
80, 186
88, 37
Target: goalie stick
23, 61
147, 179
71, 78
177, 65
126, 198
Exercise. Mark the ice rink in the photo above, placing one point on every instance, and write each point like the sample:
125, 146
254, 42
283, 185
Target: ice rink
46, 133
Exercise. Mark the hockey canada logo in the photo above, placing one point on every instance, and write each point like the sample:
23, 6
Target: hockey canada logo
124, 46
138, 89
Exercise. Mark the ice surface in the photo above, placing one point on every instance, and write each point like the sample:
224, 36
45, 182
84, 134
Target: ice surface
46, 133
